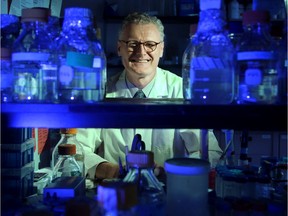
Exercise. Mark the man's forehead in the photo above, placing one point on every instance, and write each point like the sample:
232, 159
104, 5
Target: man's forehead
146, 29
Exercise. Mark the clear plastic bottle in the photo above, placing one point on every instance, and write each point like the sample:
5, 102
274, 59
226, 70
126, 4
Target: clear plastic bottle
82, 73
150, 191
34, 62
117, 198
256, 62
66, 165
6, 76
211, 64
68, 136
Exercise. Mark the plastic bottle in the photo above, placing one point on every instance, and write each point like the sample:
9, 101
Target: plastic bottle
82, 73
117, 198
256, 62
68, 136
150, 191
6, 76
66, 165
184, 173
34, 62
211, 65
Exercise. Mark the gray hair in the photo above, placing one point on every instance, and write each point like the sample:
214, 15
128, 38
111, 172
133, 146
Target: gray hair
142, 18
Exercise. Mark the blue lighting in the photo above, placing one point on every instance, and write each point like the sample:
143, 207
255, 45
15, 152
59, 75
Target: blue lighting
204, 97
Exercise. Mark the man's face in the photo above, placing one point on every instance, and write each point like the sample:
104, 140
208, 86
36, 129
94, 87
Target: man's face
139, 60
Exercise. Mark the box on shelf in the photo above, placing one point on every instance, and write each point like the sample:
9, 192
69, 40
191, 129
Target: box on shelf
17, 182
17, 155
15, 135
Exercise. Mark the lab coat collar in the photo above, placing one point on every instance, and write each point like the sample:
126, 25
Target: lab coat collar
160, 89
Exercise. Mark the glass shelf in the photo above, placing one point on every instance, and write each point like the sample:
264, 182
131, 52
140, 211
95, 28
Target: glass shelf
145, 113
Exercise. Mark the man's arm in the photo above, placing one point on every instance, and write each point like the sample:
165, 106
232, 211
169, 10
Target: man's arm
96, 167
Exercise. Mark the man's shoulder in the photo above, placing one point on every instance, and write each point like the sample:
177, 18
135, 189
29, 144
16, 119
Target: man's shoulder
170, 76
167, 72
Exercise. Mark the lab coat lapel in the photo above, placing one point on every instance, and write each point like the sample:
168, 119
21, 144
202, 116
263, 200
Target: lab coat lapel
117, 87
160, 89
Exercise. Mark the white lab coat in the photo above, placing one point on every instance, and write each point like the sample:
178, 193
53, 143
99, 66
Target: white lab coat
165, 143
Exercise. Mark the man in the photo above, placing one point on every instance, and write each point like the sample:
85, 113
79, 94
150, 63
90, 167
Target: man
141, 45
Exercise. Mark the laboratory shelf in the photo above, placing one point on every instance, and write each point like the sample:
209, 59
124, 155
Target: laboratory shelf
145, 113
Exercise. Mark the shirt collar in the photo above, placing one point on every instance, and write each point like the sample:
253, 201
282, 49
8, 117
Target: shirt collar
133, 89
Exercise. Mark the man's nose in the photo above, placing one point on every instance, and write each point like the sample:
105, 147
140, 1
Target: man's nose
140, 48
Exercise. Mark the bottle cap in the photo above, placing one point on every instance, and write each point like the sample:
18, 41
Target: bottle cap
5, 53
68, 130
35, 14
67, 149
187, 166
141, 159
117, 195
254, 17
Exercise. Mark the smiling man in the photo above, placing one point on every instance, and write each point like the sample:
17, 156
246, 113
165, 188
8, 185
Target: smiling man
141, 45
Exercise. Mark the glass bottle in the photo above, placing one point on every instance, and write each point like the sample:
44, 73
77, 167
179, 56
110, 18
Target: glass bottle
186, 59
117, 198
34, 62
68, 136
256, 62
66, 165
82, 73
6, 76
150, 191
211, 64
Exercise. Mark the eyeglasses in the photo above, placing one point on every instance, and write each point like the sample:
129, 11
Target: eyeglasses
149, 46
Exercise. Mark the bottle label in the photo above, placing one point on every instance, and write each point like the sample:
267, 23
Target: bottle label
254, 55
30, 56
210, 4
97, 62
66, 74
79, 59
207, 63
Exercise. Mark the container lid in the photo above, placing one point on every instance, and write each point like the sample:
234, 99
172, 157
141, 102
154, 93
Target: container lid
67, 149
117, 195
35, 14
187, 166
68, 130
5, 53
253, 17
140, 159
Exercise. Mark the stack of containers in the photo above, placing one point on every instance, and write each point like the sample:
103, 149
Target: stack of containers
17, 171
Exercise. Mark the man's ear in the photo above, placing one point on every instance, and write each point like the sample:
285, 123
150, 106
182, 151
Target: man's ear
162, 49
118, 48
